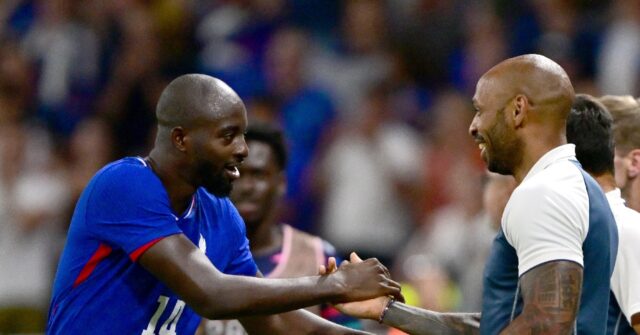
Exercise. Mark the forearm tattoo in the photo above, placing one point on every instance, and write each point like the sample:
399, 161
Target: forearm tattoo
551, 295
417, 321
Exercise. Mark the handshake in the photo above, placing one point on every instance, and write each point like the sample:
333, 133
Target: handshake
369, 308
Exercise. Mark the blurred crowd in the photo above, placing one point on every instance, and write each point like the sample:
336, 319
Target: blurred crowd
373, 95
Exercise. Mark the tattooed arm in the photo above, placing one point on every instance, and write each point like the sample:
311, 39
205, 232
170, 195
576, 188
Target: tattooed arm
551, 296
412, 320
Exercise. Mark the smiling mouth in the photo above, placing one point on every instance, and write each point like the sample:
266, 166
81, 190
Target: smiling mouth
232, 171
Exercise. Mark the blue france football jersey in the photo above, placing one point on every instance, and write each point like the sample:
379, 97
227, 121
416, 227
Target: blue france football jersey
99, 286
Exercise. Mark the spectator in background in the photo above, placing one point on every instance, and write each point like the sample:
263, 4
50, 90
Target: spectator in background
16, 93
279, 250
263, 109
619, 59
626, 117
66, 52
33, 194
234, 36
427, 32
33, 198
410, 100
446, 154
368, 175
90, 148
484, 44
175, 25
306, 114
128, 99
359, 61
7, 9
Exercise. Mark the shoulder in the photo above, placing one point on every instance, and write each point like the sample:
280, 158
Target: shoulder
126, 171
128, 176
128, 186
555, 199
563, 173
560, 183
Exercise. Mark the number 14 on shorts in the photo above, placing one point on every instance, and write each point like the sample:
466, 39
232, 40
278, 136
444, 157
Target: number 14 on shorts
169, 326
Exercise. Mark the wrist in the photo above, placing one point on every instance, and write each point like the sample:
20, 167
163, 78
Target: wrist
333, 288
386, 309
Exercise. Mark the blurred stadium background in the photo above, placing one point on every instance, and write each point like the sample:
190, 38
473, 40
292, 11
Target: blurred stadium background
373, 95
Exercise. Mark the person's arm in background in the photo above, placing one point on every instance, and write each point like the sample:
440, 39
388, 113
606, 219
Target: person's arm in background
187, 271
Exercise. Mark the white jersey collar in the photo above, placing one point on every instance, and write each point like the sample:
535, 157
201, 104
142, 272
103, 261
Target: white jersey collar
561, 153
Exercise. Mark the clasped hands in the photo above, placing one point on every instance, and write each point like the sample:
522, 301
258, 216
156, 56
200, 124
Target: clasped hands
366, 309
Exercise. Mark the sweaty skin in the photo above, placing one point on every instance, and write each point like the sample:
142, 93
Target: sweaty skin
200, 142
521, 105
541, 93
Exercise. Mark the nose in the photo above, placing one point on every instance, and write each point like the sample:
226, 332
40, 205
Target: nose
473, 127
241, 150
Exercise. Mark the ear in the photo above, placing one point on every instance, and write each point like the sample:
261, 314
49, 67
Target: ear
520, 109
634, 163
179, 138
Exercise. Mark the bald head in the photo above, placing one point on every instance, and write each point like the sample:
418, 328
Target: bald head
194, 98
542, 81
200, 140
521, 109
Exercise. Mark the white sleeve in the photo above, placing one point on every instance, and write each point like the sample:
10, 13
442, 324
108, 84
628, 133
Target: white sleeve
546, 223
624, 280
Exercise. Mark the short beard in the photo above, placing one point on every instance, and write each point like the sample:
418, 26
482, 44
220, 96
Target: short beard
215, 183
508, 154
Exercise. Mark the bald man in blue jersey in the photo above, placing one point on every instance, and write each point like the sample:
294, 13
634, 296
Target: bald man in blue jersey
155, 243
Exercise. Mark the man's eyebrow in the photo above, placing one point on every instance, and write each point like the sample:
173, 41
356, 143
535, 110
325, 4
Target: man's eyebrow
229, 127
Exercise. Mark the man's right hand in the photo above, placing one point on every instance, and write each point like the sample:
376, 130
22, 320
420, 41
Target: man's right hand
362, 280
366, 309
